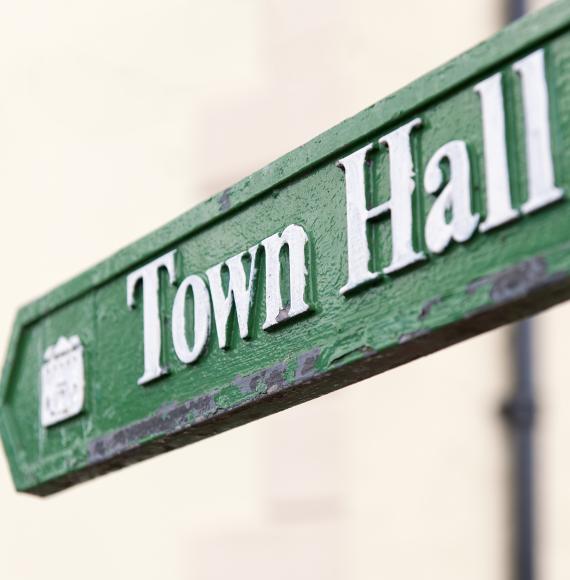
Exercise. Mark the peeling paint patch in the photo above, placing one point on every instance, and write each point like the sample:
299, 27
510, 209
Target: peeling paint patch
426, 308
270, 378
513, 282
411, 335
168, 419
283, 314
224, 200
352, 355
306, 365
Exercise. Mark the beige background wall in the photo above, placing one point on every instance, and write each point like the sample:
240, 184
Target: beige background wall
116, 116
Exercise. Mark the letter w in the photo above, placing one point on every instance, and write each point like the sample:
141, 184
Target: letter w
240, 294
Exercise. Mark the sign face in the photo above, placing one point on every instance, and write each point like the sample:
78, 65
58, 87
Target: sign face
435, 215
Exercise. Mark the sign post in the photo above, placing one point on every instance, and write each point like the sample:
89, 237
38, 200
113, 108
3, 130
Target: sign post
435, 215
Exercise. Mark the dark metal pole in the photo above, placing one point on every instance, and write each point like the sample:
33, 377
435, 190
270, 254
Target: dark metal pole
516, 9
519, 411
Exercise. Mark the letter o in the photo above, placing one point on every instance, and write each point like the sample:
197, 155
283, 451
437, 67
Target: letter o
202, 316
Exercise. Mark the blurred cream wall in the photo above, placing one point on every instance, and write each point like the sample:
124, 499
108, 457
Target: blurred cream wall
116, 116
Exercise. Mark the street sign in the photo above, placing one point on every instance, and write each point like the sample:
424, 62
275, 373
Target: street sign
430, 217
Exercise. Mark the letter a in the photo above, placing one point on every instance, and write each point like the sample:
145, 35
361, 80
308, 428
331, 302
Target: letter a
455, 197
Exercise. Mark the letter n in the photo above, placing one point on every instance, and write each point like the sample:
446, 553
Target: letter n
296, 240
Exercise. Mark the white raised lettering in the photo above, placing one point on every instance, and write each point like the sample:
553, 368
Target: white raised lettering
150, 279
499, 203
296, 239
455, 198
541, 187
202, 314
399, 206
357, 215
240, 294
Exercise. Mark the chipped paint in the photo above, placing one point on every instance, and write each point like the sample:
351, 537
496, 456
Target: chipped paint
513, 282
264, 380
353, 354
224, 200
283, 314
307, 365
427, 307
168, 419
409, 336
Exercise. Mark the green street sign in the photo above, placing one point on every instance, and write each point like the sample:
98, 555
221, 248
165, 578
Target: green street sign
430, 217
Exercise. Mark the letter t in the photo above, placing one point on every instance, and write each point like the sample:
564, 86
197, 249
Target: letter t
149, 277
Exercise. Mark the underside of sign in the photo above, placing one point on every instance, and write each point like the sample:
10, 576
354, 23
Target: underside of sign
430, 217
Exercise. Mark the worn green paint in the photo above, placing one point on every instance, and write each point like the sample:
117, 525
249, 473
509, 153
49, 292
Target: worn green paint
495, 278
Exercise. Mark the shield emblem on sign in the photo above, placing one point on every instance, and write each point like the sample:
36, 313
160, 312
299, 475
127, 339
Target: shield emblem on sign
62, 381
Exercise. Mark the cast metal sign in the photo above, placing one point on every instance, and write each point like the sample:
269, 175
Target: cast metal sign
435, 215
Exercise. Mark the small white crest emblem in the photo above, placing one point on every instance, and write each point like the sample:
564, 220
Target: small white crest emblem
62, 381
